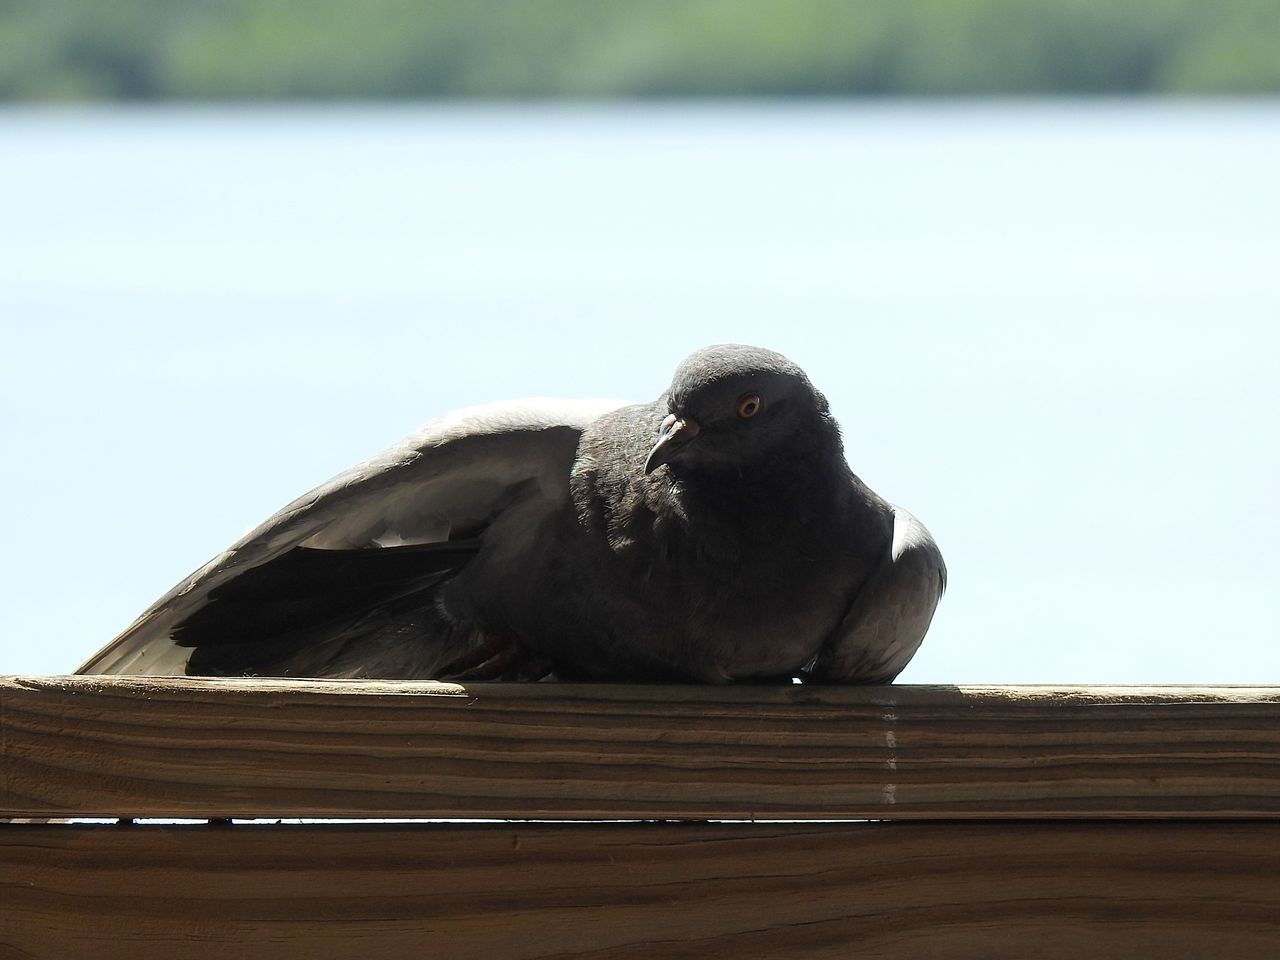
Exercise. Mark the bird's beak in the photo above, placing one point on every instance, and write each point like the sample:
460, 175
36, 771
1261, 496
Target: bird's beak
674, 434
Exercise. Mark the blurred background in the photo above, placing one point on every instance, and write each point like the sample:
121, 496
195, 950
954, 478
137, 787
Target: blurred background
1030, 250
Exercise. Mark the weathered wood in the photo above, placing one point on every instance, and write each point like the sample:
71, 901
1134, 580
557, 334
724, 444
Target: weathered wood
177, 747
870, 890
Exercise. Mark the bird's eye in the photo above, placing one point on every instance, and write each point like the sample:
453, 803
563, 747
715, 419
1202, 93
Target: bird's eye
749, 405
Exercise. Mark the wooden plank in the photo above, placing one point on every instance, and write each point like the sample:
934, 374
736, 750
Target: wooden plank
938, 890
179, 747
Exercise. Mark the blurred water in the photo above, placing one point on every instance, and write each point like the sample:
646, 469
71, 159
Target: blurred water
1048, 328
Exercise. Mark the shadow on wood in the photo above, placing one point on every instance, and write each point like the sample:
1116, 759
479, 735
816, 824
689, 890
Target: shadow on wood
696, 890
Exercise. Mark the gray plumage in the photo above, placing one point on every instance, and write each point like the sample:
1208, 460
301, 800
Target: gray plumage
715, 534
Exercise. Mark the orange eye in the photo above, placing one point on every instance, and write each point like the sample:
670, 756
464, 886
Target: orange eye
749, 405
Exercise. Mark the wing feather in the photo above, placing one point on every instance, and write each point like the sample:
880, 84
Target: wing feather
891, 613
445, 482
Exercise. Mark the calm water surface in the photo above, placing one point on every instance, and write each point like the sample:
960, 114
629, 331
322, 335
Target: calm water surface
1049, 329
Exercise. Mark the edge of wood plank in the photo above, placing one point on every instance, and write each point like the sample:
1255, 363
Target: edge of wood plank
129, 685
247, 748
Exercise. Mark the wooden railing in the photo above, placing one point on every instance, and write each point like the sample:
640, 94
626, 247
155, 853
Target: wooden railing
992, 821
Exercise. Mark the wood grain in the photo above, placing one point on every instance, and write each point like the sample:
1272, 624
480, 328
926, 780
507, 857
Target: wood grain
163, 747
870, 890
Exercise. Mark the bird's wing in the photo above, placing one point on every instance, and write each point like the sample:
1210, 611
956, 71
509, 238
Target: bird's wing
441, 485
889, 616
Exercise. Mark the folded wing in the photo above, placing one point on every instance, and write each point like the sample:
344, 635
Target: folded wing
891, 613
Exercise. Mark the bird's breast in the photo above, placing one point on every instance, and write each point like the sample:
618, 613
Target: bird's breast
725, 609
716, 581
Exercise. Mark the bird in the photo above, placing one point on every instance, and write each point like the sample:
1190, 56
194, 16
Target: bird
714, 535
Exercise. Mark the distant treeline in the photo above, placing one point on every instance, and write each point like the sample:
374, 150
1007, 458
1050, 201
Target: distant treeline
231, 49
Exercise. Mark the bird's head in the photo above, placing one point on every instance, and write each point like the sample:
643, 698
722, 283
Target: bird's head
733, 407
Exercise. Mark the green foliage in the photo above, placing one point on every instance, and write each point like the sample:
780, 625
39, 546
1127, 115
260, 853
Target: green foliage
230, 49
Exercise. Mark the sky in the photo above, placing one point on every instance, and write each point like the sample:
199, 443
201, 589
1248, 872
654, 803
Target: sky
1047, 329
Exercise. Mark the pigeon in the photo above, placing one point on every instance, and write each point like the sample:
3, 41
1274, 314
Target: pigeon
714, 535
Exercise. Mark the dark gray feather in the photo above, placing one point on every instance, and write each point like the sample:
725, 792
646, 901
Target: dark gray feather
715, 534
